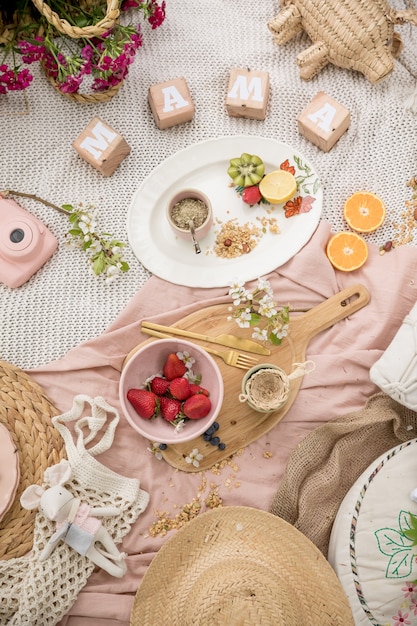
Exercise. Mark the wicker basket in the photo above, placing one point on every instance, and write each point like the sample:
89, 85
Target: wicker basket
75, 32
62, 26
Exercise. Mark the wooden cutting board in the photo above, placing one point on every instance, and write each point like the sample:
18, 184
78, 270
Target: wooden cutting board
239, 424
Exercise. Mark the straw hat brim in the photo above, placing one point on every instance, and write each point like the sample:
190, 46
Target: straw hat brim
240, 566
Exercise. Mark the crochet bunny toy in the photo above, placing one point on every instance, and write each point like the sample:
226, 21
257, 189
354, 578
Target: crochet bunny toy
76, 522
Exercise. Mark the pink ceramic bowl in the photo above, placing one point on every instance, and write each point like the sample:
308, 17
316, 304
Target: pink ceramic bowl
185, 233
148, 361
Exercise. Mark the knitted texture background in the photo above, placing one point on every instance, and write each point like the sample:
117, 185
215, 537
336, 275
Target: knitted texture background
64, 304
39, 593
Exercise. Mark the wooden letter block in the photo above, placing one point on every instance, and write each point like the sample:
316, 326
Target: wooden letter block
324, 121
171, 103
101, 146
247, 94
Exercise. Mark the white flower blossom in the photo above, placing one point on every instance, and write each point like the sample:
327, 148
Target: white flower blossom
186, 358
178, 427
250, 308
194, 457
105, 254
156, 451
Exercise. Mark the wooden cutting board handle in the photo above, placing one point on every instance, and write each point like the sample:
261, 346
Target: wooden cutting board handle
332, 310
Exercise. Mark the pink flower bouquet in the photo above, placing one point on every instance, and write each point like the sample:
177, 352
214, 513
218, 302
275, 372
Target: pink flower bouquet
74, 64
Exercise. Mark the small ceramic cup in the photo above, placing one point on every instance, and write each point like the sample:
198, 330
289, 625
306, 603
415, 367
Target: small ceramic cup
266, 387
186, 205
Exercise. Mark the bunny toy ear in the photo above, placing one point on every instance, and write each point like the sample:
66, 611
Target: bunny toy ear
58, 474
31, 497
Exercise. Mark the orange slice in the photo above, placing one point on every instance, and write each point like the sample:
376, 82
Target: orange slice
364, 211
347, 251
278, 186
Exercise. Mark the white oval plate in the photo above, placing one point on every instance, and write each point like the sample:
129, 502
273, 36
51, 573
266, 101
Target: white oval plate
204, 166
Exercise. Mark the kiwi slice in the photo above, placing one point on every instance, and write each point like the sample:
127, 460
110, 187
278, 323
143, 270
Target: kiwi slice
246, 170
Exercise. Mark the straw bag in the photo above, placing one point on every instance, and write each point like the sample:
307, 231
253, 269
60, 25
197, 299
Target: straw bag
357, 35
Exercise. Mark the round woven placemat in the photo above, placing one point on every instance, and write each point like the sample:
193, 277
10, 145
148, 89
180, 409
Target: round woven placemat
26, 412
240, 566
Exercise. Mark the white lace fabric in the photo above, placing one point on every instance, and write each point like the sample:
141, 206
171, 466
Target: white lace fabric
35, 593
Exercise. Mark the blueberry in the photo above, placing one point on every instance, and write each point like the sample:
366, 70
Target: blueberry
210, 430
215, 425
222, 446
215, 441
163, 446
207, 437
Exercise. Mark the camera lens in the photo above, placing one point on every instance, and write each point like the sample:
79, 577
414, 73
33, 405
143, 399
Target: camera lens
17, 235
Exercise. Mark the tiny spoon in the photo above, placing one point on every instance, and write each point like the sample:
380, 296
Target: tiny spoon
195, 242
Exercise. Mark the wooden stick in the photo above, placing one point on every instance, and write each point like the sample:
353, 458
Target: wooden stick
10, 192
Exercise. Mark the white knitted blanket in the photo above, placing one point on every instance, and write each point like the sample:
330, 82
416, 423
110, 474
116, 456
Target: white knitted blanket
35, 593
201, 40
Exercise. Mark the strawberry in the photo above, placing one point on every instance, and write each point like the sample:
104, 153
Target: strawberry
144, 402
198, 389
159, 385
197, 406
173, 367
179, 388
170, 408
251, 195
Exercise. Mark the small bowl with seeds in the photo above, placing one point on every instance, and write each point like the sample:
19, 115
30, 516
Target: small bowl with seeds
190, 215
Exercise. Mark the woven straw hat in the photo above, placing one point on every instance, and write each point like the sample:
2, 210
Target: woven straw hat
239, 566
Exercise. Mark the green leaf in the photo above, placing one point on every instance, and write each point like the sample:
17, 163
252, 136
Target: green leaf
68, 207
274, 339
99, 264
391, 541
254, 319
400, 564
124, 267
75, 232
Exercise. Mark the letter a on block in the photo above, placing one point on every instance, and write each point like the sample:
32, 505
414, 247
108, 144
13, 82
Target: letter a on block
173, 99
324, 117
323, 121
171, 103
102, 137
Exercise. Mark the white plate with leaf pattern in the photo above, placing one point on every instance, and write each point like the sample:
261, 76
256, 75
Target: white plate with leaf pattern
204, 166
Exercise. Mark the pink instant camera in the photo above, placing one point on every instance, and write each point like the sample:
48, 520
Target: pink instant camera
25, 244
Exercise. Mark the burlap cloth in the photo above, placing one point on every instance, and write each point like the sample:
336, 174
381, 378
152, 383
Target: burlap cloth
323, 467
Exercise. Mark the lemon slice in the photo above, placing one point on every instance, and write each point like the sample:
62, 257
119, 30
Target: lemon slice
278, 186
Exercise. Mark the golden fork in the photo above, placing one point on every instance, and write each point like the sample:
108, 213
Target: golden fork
230, 357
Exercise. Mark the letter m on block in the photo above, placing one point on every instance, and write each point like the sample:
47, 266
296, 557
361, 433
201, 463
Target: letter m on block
99, 140
242, 89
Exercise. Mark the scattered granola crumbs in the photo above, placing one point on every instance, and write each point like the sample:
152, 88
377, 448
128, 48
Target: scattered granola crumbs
404, 229
186, 512
234, 240
267, 454
213, 500
269, 224
165, 523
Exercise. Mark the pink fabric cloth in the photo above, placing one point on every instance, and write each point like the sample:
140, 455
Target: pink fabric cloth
340, 383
